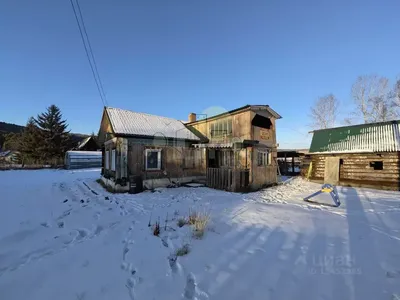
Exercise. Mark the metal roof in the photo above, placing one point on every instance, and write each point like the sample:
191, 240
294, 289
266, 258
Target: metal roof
247, 106
126, 122
374, 137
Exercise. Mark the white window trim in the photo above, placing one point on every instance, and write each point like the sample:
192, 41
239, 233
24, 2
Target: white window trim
158, 159
266, 158
107, 160
113, 159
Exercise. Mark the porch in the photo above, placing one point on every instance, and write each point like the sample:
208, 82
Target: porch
228, 179
228, 166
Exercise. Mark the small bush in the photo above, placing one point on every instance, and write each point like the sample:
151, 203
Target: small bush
193, 215
200, 222
182, 222
185, 249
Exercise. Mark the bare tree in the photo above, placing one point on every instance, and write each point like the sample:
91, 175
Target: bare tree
395, 95
324, 112
371, 95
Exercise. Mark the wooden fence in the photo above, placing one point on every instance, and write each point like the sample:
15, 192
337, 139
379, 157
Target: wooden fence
228, 179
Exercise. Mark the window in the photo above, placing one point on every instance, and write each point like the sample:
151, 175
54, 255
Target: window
153, 159
107, 160
225, 158
221, 128
377, 165
113, 160
263, 158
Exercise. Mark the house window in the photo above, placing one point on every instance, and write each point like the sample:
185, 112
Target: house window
153, 159
225, 158
263, 158
113, 160
377, 165
107, 160
221, 128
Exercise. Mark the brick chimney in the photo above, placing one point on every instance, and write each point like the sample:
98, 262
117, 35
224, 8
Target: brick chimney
192, 117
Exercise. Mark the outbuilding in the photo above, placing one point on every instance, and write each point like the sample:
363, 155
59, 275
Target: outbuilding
366, 155
83, 159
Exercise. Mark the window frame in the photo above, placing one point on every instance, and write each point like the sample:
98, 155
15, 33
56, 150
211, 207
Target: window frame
263, 158
221, 128
113, 160
107, 160
159, 159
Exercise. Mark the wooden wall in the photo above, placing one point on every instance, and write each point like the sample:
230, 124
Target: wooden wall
265, 136
355, 170
176, 161
241, 127
105, 127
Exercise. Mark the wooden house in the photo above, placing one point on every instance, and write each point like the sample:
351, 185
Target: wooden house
142, 148
241, 150
233, 151
365, 155
87, 144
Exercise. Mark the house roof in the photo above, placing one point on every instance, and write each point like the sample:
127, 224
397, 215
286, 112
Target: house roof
374, 137
248, 106
5, 153
83, 142
126, 122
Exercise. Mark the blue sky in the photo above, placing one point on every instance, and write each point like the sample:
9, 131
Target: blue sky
173, 57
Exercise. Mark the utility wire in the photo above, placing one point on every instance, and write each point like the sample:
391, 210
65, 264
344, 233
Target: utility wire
90, 49
89, 53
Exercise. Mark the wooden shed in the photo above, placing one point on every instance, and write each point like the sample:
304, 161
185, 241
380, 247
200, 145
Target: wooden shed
365, 155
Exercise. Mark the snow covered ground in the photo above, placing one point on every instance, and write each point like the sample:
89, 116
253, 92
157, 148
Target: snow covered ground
63, 237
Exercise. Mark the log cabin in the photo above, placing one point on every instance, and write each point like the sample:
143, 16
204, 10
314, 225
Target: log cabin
365, 155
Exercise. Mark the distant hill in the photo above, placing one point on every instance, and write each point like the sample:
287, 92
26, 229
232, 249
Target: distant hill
6, 128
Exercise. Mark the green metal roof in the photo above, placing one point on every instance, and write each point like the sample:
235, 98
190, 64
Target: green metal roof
374, 137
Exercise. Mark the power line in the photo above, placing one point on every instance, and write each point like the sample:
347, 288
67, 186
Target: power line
90, 48
89, 53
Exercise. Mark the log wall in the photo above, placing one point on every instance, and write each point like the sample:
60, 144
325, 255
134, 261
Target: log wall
356, 170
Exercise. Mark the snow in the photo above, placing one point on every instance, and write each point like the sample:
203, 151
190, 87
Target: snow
63, 237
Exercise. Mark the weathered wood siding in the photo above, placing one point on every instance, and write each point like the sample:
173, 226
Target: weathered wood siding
228, 179
176, 161
355, 170
241, 127
265, 136
105, 127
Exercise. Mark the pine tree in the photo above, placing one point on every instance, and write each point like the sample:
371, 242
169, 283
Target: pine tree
54, 134
30, 143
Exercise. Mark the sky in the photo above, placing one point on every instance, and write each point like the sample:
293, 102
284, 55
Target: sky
173, 57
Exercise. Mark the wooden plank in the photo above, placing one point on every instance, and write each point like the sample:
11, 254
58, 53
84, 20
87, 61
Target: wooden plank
370, 170
370, 176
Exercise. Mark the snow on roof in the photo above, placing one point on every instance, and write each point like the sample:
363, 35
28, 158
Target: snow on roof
84, 153
133, 123
84, 142
5, 153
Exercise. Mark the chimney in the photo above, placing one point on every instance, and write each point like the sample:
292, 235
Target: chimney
192, 117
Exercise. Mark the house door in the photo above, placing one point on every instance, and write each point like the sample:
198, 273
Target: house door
331, 175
